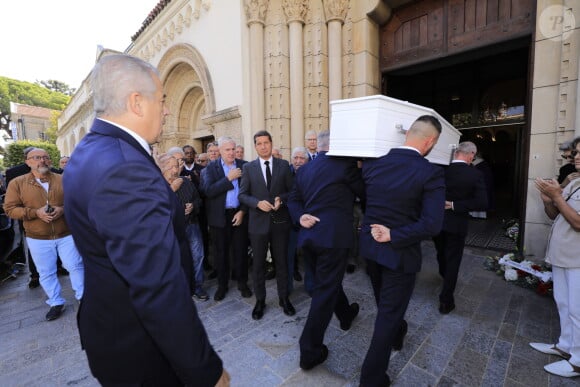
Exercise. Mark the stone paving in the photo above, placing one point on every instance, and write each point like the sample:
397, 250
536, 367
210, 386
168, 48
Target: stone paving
484, 342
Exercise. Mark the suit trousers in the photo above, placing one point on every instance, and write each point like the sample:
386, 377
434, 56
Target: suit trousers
234, 237
327, 297
277, 239
394, 290
449, 253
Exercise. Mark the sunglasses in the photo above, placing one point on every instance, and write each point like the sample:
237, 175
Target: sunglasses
573, 154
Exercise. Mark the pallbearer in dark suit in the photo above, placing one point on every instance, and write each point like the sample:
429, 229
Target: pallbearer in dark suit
264, 189
322, 203
464, 191
405, 203
137, 321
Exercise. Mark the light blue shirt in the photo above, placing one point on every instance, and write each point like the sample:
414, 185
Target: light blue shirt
232, 195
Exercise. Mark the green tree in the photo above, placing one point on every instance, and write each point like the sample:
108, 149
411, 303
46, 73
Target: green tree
57, 86
50, 132
27, 93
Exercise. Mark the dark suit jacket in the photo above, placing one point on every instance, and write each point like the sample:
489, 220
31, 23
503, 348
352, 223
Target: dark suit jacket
253, 189
326, 188
215, 185
194, 174
465, 187
407, 194
136, 319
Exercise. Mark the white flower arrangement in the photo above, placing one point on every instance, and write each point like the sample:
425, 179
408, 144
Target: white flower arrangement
510, 274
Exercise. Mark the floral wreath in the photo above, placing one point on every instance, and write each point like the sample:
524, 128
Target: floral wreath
524, 273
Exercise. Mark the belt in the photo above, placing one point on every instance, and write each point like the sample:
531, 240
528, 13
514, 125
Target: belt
236, 209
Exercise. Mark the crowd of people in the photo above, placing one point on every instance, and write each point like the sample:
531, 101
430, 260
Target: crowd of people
147, 225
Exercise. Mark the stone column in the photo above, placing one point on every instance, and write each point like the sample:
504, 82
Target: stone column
335, 11
295, 11
256, 13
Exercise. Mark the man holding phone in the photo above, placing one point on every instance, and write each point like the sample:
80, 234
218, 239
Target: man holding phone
37, 199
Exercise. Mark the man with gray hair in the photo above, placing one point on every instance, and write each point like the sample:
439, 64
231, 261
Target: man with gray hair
137, 321
464, 192
311, 143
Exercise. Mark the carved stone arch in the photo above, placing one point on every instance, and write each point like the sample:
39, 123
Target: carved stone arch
70, 144
185, 53
82, 132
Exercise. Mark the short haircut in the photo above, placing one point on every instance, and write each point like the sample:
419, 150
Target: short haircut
466, 147
189, 147
163, 159
421, 130
300, 149
240, 146
210, 144
173, 150
27, 150
309, 133
262, 133
225, 140
323, 140
566, 146
115, 78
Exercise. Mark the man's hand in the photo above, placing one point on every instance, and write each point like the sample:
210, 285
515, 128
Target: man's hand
234, 174
380, 233
307, 220
569, 178
224, 380
175, 184
57, 213
188, 208
238, 218
277, 203
45, 216
448, 205
265, 206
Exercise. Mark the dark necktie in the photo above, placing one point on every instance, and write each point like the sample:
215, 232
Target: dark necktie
268, 174
313, 156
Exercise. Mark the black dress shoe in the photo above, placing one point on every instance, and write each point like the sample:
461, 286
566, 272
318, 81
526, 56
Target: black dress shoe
398, 342
445, 308
34, 283
270, 274
287, 306
345, 325
245, 291
258, 311
297, 276
308, 365
220, 294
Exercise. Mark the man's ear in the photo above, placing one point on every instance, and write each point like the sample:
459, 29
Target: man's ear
135, 104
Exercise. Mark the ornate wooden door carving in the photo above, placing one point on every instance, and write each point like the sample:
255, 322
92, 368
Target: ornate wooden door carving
431, 29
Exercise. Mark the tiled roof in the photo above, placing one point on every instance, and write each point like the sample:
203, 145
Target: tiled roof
30, 111
152, 15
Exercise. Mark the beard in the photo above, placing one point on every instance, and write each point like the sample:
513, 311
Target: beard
43, 170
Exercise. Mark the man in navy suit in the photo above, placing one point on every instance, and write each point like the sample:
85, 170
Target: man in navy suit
228, 226
137, 321
464, 192
405, 202
264, 190
322, 203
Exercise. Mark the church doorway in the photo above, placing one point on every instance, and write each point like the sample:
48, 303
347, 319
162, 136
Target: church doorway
484, 94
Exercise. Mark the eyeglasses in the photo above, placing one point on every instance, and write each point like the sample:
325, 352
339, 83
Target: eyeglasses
573, 154
38, 158
202, 161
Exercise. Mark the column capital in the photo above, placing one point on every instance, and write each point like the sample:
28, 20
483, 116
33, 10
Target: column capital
256, 11
335, 10
295, 10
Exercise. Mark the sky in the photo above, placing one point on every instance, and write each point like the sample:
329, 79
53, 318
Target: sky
43, 39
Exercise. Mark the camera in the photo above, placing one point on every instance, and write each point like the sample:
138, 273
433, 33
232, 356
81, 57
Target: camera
49, 209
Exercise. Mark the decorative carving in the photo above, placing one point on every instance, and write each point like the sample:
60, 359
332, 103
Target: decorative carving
256, 10
335, 10
295, 10
222, 115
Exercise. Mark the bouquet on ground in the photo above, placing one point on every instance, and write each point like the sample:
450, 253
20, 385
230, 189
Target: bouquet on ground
524, 273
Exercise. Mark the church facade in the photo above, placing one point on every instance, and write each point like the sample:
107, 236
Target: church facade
503, 72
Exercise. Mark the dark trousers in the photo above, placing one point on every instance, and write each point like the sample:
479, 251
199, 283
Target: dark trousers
277, 239
449, 253
392, 291
236, 238
327, 297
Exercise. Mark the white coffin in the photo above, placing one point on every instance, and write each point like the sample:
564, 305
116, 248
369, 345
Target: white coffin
371, 126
